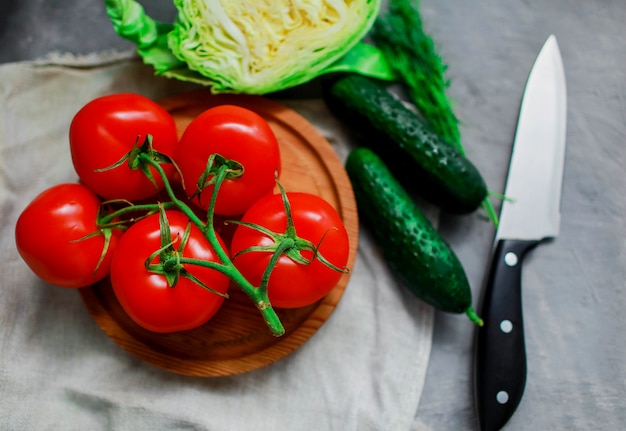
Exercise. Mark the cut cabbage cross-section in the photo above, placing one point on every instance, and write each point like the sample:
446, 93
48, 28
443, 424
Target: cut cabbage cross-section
246, 46
257, 46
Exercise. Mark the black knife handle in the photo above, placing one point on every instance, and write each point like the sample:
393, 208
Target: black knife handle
500, 361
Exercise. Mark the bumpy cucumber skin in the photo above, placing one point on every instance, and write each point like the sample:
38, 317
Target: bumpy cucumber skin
412, 247
421, 160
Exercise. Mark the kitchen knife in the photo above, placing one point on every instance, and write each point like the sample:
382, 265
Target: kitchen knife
530, 213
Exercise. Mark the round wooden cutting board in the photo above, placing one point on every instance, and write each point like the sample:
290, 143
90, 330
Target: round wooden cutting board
236, 339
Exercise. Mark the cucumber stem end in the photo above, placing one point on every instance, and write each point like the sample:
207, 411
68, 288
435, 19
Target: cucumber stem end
475, 318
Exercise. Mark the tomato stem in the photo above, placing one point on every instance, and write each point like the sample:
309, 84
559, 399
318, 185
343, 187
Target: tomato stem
216, 163
257, 295
115, 219
284, 245
136, 158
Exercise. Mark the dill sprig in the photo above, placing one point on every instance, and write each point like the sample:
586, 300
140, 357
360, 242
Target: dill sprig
411, 53
400, 35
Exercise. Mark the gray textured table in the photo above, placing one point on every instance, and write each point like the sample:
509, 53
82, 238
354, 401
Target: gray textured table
575, 285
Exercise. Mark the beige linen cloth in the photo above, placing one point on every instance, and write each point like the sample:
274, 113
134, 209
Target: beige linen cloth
363, 370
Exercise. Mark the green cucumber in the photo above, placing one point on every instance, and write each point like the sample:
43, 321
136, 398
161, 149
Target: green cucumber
412, 247
424, 163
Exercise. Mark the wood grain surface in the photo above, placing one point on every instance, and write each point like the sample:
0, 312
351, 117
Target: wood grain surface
236, 340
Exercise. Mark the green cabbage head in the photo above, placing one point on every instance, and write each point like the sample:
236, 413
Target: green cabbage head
253, 46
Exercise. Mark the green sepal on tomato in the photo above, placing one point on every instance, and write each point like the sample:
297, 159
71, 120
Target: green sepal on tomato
107, 130
58, 237
316, 252
148, 296
236, 134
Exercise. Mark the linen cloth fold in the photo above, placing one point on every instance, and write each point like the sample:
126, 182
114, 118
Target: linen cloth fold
363, 370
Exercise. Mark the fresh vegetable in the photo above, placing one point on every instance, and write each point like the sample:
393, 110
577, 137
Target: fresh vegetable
169, 268
400, 36
246, 47
102, 135
412, 247
58, 237
154, 286
245, 142
411, 53
434, 169
307, 265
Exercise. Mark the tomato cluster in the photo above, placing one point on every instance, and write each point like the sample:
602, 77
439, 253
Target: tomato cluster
143, 214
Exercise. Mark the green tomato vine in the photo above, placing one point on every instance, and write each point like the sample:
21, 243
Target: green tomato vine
168, 260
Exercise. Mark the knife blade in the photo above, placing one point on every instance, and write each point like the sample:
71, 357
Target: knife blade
530, 213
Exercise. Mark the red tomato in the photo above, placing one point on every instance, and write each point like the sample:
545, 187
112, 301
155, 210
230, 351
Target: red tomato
293, 284
105, 130
146, 297
238, 134
47, 231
